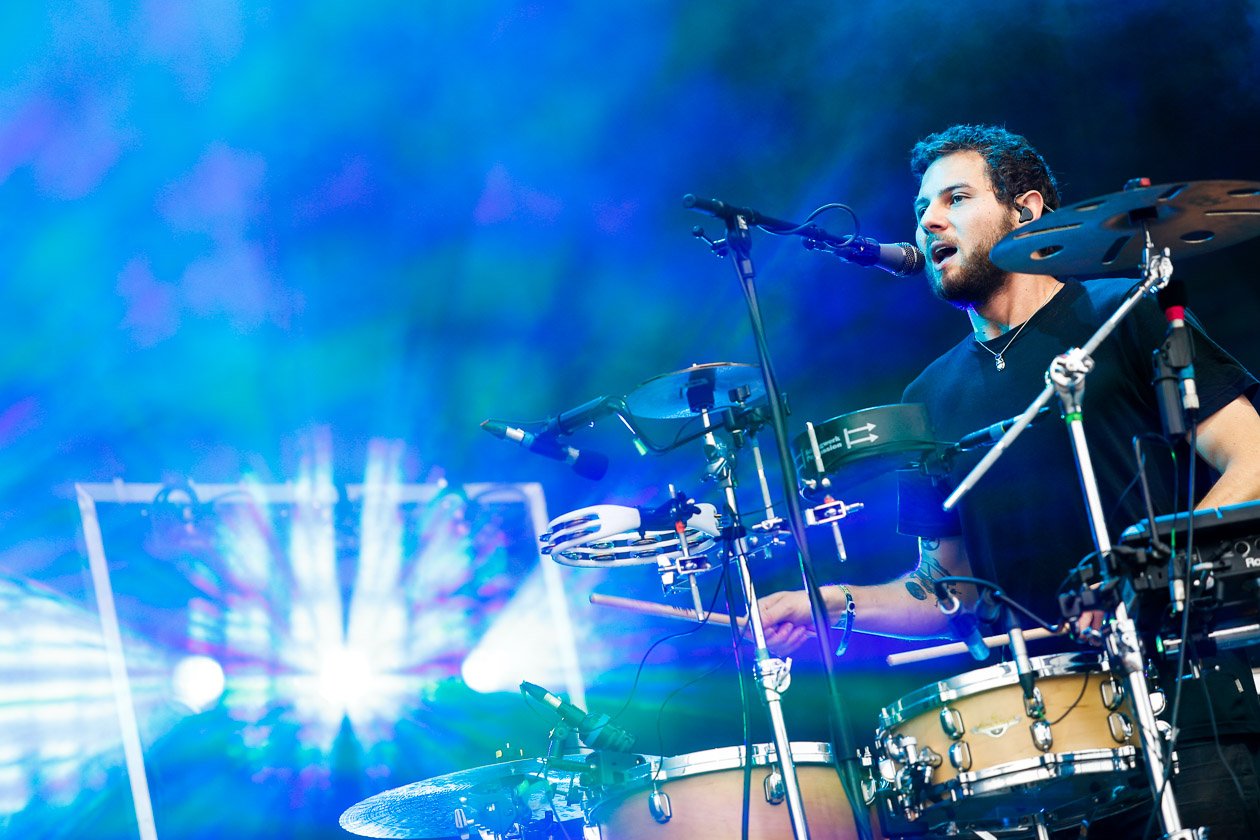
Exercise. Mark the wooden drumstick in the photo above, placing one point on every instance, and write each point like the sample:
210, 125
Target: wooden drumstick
924, 654
653, 608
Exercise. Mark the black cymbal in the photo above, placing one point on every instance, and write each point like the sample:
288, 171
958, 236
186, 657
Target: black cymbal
684, 393
497, 794
1104, 235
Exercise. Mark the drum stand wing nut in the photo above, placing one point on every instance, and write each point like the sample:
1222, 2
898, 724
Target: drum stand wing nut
918, 764
1159, 267
1068, 371
774, 674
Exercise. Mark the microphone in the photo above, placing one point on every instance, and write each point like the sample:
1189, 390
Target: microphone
1178, 349
595, 731
590, 465
964, 625
901, 259
992, 434
568, 422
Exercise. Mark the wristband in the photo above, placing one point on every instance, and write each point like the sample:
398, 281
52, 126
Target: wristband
845, 623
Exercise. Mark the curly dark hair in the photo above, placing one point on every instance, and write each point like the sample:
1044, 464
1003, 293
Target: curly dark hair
1015, 167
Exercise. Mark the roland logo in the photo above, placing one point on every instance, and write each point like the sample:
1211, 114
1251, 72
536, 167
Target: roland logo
1253, 562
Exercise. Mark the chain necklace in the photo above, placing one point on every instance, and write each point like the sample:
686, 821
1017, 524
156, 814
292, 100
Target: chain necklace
998, 361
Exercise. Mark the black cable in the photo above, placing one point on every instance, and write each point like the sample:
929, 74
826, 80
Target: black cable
660, 714
835, 205
999, 594
643, 661
1075, 702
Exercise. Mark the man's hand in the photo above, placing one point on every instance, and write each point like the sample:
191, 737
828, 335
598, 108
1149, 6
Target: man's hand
787, 620
1089, 626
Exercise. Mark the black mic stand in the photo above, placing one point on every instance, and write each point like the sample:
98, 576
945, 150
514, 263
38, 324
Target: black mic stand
738, 245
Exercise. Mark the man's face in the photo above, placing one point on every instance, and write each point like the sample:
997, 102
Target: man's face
959, 221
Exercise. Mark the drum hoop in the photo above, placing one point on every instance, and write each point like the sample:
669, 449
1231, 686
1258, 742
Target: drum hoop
732, 758
1048, 766
665, 768
1002, 779
707, 761
970, 683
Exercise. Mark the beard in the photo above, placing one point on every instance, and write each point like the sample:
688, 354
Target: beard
976, 279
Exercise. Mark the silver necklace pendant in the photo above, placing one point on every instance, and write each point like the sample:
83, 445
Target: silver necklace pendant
999, 362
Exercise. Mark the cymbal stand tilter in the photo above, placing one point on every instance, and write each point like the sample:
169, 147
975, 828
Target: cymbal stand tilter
737, 245
686, 565
1066, 378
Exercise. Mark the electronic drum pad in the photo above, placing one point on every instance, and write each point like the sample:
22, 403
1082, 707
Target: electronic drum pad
861, 445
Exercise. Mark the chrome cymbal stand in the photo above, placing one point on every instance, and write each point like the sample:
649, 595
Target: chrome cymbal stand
772, 674
1066, 378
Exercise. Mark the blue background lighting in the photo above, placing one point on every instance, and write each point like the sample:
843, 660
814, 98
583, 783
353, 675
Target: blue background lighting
317, 244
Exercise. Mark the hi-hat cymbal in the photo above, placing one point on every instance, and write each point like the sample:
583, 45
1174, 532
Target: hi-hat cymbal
1104, 235
684, 393
495, 793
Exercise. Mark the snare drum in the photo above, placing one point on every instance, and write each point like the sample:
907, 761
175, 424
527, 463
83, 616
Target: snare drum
964, 754
703, 793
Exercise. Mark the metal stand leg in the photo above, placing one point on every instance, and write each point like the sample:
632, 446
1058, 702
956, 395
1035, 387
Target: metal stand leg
1124, 649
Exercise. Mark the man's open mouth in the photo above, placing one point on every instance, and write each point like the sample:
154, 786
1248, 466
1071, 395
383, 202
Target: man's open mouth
942, 251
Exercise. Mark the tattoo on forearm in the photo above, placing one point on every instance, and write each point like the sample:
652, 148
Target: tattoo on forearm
922, 580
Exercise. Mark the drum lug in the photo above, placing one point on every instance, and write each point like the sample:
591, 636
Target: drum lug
960, 756
952, 723
1042, 737
772, 786
660, 807
1158, 702
1112, 694
1121, 727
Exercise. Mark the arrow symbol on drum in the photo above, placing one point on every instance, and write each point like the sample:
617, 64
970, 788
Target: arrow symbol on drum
850, 439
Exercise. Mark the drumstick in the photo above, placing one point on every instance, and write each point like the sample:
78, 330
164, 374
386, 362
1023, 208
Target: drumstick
653, 608
950, 649
893, 660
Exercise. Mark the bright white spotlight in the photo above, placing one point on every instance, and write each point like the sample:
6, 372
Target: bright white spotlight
344, 680
527, 641
198, 682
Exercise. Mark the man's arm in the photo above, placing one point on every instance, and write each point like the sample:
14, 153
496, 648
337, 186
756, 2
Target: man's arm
904, 608
1229, 440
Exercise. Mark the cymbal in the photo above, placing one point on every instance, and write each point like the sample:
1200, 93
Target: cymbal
1104, 235
484, 795
684, 393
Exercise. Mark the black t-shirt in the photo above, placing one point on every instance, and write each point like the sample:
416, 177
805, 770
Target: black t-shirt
1024, 524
